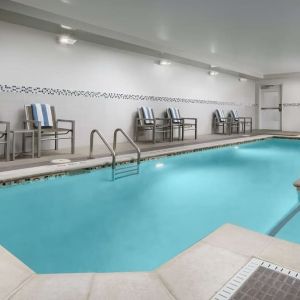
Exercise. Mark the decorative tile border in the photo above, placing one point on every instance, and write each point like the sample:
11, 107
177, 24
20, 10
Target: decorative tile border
284, 137
106, 95
295, 104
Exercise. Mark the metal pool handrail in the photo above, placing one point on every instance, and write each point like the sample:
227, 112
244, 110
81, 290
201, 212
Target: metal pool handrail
112, 152
133, 144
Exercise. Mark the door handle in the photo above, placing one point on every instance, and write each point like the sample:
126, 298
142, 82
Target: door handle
267, 108
279, 107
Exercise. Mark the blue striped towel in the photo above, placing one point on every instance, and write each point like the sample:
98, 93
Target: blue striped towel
175, 115
148, 115
42, 113
221, 115
235, 114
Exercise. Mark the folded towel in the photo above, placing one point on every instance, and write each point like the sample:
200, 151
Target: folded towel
175, 115
235, 115
148, 115
221, 115
42, 113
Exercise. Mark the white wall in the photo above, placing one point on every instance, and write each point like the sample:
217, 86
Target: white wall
290, 101
32, 58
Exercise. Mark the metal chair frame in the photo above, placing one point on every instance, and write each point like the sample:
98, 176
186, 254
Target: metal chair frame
227, 125
6, 136
159, 125
183, 126
54, 133
243, 121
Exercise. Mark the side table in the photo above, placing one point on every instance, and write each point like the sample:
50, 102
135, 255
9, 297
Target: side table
22, 131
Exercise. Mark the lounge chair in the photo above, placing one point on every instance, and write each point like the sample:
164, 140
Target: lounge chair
42, 119
226, 124
180, 123
5, 138
243, 121
146, 121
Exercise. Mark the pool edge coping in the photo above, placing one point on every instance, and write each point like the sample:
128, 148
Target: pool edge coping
231, 245
24, 175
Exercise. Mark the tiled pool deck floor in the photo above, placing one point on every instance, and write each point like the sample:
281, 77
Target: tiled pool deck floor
197, 273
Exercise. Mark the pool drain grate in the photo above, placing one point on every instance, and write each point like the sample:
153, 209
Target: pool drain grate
60, 161
261, 280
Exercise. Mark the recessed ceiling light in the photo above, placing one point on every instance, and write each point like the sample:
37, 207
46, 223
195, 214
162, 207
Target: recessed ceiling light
66, 40
213, 73
213, 49
164, 62
66, 27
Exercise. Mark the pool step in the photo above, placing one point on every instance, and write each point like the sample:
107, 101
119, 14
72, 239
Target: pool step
127, 170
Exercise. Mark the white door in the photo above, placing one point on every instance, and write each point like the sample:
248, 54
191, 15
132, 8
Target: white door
270, 107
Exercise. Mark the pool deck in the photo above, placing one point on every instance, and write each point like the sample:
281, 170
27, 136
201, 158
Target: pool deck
197, 273
14, 172
25, 168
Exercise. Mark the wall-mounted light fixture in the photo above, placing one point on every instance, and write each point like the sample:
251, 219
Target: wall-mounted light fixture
66, 27
243, 79
66, 39
213, 73
164, 62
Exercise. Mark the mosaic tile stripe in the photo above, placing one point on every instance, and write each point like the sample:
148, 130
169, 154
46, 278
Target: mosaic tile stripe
106, 95
297, 104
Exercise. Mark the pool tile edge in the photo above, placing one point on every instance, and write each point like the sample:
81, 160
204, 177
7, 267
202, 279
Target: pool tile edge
45, 172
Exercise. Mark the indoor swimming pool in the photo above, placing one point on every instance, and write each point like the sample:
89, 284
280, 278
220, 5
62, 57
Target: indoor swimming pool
88, 223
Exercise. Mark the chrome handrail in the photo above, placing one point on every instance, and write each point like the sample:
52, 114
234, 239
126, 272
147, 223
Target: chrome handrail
111, 150
133, 144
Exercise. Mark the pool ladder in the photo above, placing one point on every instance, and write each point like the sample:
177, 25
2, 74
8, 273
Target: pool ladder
117, 171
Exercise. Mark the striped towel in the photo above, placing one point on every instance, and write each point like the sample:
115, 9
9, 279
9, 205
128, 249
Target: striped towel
42, 113
148, 114
175, 115
221, 115
235, 115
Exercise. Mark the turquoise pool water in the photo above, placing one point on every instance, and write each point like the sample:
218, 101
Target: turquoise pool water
87, 223
291, 230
